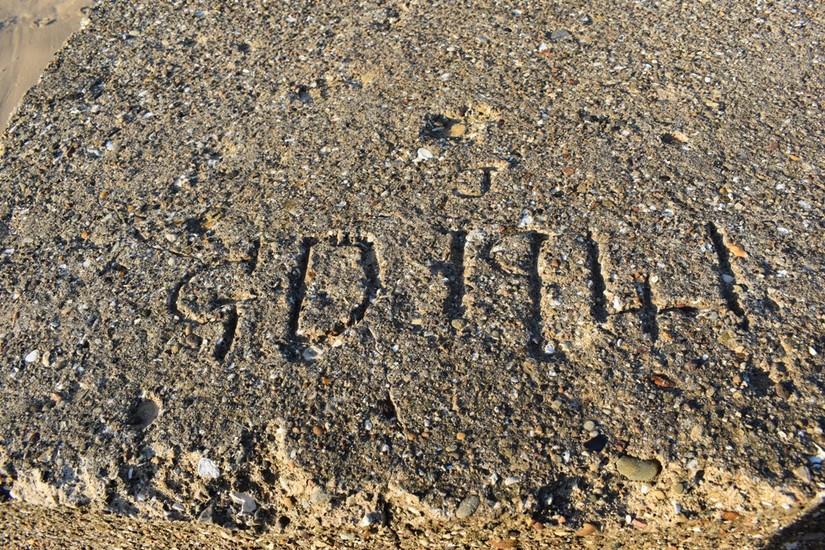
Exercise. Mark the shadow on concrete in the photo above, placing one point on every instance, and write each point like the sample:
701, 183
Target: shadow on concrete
807, 533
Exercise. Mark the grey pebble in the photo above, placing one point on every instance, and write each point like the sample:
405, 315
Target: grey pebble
636, 469
803, 473
248, 504
467, 507
319, 497
561, 34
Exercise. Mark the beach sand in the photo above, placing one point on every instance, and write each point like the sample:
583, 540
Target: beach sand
30, 34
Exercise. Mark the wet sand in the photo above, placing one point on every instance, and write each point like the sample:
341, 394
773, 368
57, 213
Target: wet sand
30, 34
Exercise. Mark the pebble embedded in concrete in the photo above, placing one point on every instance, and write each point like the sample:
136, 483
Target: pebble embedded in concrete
207, 469
637, 469
467, 507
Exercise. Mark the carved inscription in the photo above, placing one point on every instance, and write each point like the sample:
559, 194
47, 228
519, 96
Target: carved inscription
544, 294
340, 278
572, 292
206, 302
503, 287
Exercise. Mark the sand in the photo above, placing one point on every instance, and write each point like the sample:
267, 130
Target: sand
30, 34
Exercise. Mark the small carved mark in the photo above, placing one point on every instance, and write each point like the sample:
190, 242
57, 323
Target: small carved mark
648, 311
254, 253
475, 187
204, 309
727, 280
534, 324
174, 297
598, 307
453, 271
320, 293
297, 288
230, 326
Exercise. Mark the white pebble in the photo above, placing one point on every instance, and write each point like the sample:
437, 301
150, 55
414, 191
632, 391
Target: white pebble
248, 504
32, 356
371, 518
512, 480
424, 154
207, 469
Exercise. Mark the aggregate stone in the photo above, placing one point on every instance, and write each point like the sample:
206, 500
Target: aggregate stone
467, 507
636, 469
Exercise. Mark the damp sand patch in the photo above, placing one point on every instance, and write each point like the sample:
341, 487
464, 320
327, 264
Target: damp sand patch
30, 35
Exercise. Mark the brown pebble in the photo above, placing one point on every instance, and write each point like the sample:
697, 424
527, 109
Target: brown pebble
586, 530
638, 524
782, 390
461, 436
662, 381
730, 516
317, 430
456, 130
737, 250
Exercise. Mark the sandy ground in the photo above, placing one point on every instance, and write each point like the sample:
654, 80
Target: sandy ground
30, 34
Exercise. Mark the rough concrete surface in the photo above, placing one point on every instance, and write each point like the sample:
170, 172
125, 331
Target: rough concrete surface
421, 274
